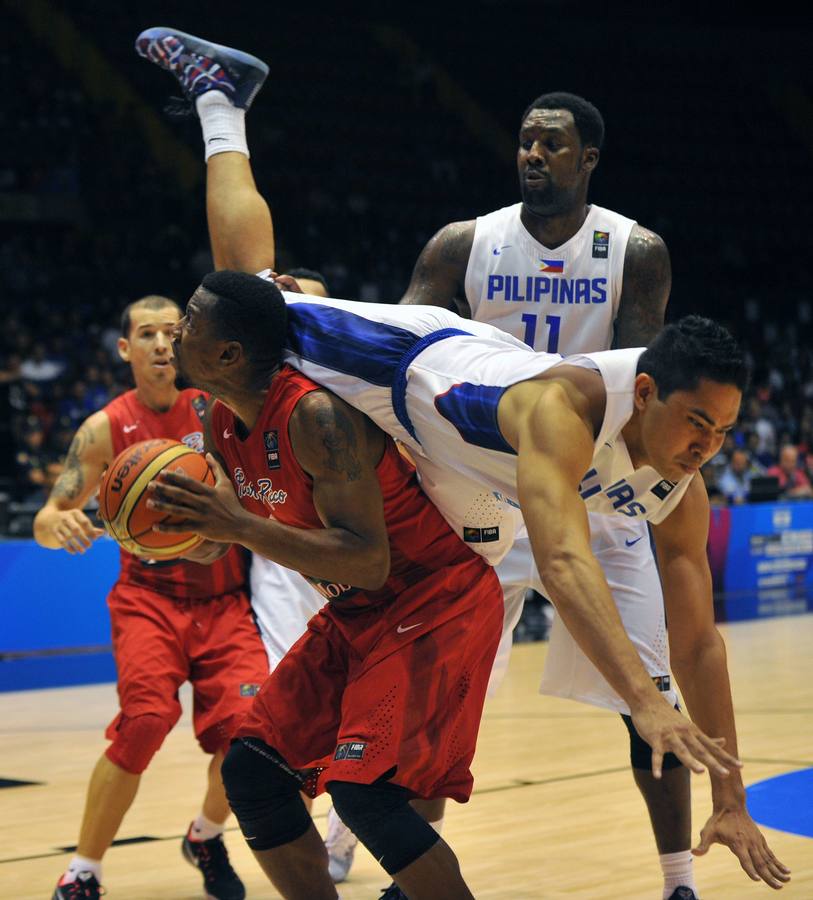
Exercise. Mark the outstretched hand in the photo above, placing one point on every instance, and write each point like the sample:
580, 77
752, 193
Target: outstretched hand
667, 731
735, 829
212, 511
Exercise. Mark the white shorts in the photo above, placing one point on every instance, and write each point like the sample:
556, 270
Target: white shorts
283, 602
623, 550
517, 572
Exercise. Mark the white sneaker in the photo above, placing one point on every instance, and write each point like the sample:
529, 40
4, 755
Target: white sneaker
341, 846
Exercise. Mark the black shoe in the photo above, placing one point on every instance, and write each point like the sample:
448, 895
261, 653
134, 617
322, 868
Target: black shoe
84, 888
393, 892
683, 893
220, 881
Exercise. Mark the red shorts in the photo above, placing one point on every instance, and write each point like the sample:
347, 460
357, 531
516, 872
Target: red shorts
159, 643
394, 691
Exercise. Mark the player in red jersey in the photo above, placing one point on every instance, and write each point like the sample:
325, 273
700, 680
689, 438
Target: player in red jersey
381, 698
171, 622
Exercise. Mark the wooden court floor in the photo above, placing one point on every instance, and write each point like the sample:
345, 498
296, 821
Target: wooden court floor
554, 814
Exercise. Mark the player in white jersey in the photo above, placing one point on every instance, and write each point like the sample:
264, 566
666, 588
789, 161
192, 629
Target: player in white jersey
564, 276
251, 208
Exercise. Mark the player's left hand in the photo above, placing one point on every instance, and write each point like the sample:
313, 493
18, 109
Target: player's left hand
212, 511
737, 830
286, 283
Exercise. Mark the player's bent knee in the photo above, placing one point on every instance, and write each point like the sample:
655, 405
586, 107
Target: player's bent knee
137, 740
641, 752
263, 796
382, 819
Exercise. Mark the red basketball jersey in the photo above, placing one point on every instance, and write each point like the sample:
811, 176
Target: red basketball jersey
130, 422
269, 482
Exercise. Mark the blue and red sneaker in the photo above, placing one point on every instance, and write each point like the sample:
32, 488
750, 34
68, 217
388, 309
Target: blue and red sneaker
201, 66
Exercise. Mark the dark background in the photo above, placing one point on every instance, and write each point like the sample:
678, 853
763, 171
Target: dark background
377, 126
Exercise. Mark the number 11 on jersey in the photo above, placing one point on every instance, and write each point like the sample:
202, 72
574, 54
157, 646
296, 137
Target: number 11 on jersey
552, 322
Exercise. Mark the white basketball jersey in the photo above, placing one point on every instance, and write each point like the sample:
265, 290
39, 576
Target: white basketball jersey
455, 433
558, 301
434, 380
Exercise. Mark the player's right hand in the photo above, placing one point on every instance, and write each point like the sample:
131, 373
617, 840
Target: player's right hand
666, 730
73, 530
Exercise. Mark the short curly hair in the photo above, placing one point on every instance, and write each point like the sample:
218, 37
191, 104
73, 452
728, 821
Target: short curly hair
692, 349
589, 122
252, 311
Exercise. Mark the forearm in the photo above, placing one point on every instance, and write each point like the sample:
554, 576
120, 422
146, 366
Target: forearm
330, 554
704, 683
43, 528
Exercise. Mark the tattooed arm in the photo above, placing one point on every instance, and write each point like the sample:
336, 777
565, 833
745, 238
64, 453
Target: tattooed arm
61, 522
440, 272
645, 292
339, 448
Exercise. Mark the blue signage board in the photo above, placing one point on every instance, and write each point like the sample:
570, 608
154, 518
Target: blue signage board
762, 559
55, 629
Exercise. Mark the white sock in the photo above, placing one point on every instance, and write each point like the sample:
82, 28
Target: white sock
438, 826
203, 829
677, 872
82, 864
223, 124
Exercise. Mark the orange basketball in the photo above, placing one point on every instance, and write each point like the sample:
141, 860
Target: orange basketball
123, 497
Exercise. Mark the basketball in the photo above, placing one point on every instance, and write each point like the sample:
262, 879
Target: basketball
123, 497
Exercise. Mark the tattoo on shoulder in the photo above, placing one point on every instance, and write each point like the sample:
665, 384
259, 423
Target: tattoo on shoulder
71, 481
456, 245
647, 283
338, 438
438, 275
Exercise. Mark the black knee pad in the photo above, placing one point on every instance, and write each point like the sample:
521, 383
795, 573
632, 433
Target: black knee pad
264, 795
382, 819
641, 752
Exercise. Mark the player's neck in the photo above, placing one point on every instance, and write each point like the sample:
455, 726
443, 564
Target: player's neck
246, 394
157, 397
631, 433
246, 406
554, 230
